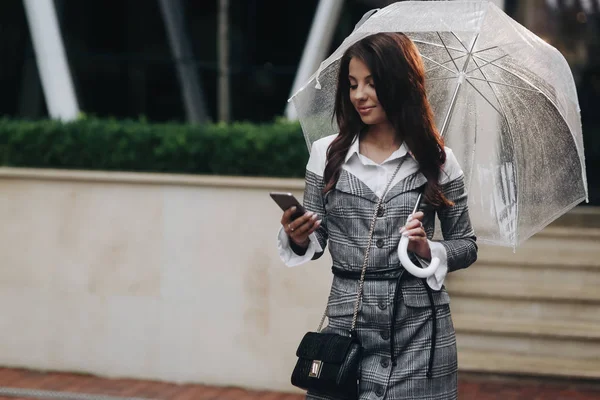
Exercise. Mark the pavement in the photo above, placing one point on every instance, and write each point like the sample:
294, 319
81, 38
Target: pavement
27, 384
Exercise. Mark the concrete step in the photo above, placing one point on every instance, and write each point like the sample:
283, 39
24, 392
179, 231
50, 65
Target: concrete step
548, 328
512, 363
558, 247
535, 311
534, 346
523, 282
580, 217
496, 312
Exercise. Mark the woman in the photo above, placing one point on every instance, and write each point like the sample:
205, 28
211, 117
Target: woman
385, 123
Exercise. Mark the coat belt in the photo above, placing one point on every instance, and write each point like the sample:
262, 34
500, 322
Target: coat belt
387, 274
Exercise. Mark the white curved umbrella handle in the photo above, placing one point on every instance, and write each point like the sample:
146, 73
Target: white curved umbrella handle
412, 268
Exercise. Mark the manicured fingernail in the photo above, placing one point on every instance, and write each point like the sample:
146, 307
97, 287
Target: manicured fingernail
294, 208
314, 216
318, 222
405, 234
402, 229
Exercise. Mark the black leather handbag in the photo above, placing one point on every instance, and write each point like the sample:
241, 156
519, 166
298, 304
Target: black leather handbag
329, 363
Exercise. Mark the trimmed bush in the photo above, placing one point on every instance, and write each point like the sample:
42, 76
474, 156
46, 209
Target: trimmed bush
277, 149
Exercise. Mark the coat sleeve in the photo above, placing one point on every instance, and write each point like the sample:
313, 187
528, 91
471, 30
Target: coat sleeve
459, 237
314, 200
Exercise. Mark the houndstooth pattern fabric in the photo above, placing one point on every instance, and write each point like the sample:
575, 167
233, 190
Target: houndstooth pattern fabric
346, 213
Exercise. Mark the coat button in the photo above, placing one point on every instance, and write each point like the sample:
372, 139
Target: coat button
385, 335
380, 212
379, 243
385, 363
379, 391
382, 305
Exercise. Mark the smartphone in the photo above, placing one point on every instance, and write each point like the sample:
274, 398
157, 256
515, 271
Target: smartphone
286, 200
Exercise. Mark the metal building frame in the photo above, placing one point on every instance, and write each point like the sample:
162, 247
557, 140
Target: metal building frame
189, 82
52, 64
316, 48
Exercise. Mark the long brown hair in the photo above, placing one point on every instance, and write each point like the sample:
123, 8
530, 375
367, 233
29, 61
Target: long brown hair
399, 77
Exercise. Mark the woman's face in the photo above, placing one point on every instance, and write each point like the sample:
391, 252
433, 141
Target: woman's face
363, 94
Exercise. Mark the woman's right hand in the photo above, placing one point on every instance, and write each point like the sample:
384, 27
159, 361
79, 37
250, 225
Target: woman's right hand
299, 229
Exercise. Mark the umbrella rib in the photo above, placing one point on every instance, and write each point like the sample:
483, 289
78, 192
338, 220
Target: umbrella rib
436, 45
448, 51
458, 85
445, 62
506, 70
515, 172
441, 79
485, 98
495, 47
539, 91
482, 50
487, 63
438, 64
504, 84
459, 41
491, 88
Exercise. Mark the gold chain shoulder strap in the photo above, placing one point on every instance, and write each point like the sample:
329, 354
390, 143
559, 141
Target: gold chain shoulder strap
367, 251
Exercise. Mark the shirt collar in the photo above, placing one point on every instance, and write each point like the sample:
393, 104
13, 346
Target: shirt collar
354, 149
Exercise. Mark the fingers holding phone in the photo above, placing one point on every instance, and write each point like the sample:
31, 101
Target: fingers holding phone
300, 228
297, 223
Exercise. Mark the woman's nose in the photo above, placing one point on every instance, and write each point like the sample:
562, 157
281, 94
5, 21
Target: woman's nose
359, 93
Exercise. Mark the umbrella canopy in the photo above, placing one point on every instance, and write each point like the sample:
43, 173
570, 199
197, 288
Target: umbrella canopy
504, 100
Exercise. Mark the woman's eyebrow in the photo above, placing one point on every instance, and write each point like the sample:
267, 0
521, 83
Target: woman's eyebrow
366, 77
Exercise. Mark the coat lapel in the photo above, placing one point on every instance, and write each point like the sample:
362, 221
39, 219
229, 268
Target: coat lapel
350, 184
407, 184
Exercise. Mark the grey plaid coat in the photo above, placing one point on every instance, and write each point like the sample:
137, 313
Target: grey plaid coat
407, 313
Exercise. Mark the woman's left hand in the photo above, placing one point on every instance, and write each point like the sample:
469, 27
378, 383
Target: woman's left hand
417, 238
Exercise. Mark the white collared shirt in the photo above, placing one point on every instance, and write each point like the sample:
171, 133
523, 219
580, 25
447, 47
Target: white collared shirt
376, 177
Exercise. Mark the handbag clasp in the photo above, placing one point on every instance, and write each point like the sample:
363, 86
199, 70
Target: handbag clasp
315, 369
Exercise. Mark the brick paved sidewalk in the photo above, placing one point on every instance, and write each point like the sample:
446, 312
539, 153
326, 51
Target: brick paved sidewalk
471, 387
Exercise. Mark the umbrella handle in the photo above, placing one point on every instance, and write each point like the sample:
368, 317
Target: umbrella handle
412, 268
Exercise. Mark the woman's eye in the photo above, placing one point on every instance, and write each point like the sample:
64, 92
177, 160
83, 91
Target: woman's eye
353, 87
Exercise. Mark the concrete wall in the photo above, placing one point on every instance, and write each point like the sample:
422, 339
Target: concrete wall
177, 278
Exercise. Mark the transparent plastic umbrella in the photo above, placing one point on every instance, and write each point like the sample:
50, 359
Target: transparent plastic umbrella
504, 100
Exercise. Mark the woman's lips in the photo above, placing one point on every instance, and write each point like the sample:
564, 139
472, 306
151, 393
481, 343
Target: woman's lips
365, 110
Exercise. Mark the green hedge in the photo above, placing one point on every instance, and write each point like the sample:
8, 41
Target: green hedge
276, 149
